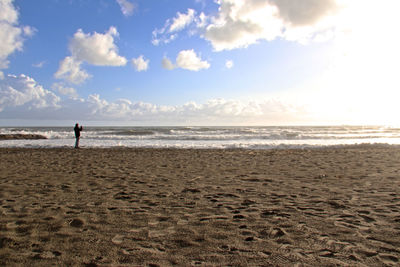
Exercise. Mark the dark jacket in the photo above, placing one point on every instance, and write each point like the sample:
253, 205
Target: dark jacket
77, 131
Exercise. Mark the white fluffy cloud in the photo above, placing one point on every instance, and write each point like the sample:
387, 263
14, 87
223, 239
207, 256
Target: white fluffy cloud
305, 12
188, 60
242, 23
182, 20
140, 63
25, 93
64, 90
11, 41
70, 70
215, 111
167, 64
8, 12
126, 7
11, 34
96, 49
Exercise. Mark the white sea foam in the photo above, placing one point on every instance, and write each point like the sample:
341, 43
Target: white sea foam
206, 137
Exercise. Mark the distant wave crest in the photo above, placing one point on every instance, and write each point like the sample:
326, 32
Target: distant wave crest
207, 137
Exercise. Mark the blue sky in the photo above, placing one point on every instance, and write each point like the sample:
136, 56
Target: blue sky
198, 62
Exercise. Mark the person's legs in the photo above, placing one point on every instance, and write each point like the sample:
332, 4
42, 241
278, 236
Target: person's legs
77, 142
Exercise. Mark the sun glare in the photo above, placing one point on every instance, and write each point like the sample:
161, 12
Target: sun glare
361, 86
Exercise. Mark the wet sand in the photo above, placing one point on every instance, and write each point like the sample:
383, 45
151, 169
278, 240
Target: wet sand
165, 207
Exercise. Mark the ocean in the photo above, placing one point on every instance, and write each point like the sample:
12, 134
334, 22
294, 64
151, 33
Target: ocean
207, 137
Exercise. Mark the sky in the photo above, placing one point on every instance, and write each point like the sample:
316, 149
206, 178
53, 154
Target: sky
199, 62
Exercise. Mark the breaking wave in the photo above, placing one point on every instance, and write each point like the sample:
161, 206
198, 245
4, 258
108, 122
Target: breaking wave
207, 137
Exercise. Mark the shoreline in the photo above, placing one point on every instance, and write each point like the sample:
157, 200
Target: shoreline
271, 147
188, 207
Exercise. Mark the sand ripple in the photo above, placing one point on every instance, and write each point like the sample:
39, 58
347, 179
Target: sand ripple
155, 207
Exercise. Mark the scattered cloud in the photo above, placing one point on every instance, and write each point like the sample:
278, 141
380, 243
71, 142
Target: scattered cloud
164, 39
21, 97
39, 64
11, 34
239, 24
96, 49
182, 20
201, 20
140, 63
229, 64
172, 26
202, 2
28, 31
186, 59
70, 70
127, 7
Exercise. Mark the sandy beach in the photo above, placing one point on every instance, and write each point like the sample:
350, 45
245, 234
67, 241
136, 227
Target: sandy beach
166, 207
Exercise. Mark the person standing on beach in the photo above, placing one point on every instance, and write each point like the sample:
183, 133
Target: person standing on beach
77, 130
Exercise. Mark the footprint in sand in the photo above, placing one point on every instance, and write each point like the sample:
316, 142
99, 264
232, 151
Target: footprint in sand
326, 253
249, 239
117, 239
11, 225
367, 219
238, 217
76, 223
389, 259
277, 232
122, 196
